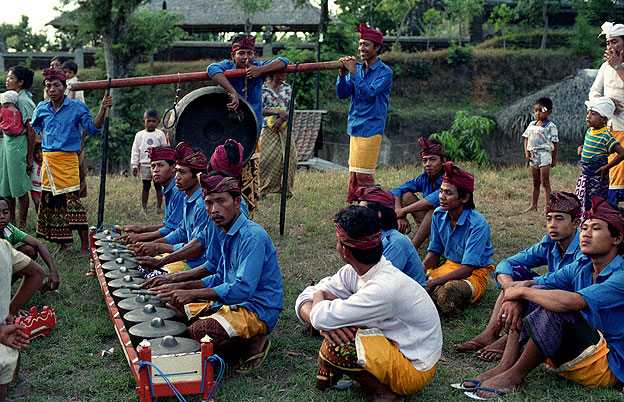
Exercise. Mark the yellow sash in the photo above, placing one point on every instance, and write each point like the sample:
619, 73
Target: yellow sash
60, 172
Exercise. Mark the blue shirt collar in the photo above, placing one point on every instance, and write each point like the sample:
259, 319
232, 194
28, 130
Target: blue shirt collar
574, 244
171, 185
195, 195
240, 221
65, 103
615, 265
462, 219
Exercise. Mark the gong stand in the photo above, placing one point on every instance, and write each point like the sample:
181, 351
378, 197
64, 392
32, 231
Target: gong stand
193, 77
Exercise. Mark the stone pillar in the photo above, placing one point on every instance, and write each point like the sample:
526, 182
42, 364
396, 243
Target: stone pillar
267, 47
1, 61
79, 57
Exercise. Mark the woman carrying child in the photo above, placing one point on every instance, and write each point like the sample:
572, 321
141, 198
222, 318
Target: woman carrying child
599, 143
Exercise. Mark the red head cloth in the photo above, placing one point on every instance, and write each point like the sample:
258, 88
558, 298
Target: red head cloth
218, 184
375, 194
430, 148
558, 201
185, 156
53, 74
371, 34
360, 243
248, 42
603, 211
458, 177
219, 159
161, 154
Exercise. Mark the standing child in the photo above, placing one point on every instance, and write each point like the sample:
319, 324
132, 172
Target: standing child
35, 175
10, 116
71, 69
598, 145
150, 137
540, 148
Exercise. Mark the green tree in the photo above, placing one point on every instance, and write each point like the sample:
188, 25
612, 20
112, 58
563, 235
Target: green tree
464, 141
462, 12
399, 12
20, 37
249, 8
501, 20
355, 12
537, 13
431, 18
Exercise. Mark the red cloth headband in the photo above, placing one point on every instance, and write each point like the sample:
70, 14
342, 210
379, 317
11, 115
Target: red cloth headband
185, 156
50, 74
161, 153
563, 202
218, 184
603, 211
248, 42
375, 194
359, 243
219, 159
458, 177
367, 33
430, 148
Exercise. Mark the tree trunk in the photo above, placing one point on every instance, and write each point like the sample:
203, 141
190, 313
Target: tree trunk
545, 18
324, 16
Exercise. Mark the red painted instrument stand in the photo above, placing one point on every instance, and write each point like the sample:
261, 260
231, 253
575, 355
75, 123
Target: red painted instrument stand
38, 323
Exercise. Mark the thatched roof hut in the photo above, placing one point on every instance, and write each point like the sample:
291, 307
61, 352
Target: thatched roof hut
568, 96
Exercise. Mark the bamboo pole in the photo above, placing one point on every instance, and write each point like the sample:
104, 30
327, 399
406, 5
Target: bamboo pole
193, 77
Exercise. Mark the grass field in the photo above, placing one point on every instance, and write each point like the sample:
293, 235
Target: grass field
67, 366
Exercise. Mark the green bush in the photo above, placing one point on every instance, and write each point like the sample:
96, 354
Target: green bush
584, 38
557, 38
458, 54
463, 142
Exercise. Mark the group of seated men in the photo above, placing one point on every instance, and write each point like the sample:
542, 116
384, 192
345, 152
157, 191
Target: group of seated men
379, 314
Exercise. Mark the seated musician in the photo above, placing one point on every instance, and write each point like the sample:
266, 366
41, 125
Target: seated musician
428, 184
574, 324
397, 248
462, 236
560, 247
13, 262
380, 326
189, 163
162, 163
227, 159
239, 305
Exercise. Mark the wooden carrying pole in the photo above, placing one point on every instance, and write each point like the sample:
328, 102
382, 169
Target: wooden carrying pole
192, 77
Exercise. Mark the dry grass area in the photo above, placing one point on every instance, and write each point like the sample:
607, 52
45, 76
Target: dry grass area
67, 366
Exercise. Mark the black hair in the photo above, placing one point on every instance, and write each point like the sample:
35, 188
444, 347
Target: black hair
461, 193
71, 65
546, 102
151, 113
23, 74
233, 153
37, 146
61, 59
388, 216
4, 199
234, 194
360, 221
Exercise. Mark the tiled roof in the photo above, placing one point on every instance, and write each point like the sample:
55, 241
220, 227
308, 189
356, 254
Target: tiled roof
306, 129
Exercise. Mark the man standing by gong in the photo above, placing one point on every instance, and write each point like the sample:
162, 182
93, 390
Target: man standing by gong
368, 84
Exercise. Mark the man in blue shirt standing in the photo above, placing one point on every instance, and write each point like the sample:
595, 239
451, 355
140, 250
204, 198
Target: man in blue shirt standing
575, 324
368, 84
428, 184
556, 250
246, 293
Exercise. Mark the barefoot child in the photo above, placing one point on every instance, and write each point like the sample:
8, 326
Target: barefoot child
150, 137
599, 143
35, 175
540, 147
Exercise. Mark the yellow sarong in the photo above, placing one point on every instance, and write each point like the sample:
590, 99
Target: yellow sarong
363, 154
236, 320
616, 173
477, 281
590, 368
382, 358
60, 172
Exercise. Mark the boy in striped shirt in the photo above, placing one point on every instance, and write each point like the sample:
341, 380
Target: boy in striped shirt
599, 143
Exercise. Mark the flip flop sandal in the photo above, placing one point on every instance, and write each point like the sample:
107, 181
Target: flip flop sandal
262, 356
460, 385
473, 394
474, 346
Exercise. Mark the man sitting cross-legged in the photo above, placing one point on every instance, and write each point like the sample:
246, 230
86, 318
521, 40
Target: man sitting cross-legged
556, 250
239, 305
397, 248
380, 326
574, 324
162, 164
462, 236
427, 183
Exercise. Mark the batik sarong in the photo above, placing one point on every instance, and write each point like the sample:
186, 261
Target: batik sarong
237, 321
572, 347
59, 215
590, 183
249, 185
522, 273
271, 161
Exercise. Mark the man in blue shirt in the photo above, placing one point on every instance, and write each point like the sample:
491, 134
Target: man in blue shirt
246, 293
575, 323
368, 84
428, 184
162, 161
59, 121
189, 163
397, 248
556, 250
462, 235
